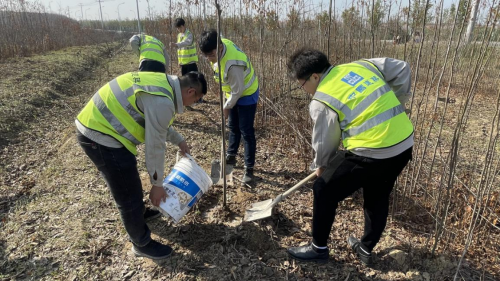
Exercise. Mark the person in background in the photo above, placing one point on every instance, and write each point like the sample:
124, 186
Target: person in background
152, 53
241, 87
361, 103
135, 108
186, 49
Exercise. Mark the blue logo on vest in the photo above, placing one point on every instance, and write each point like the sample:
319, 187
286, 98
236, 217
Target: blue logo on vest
351, 96
352, 78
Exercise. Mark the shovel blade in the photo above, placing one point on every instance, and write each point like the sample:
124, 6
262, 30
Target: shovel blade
259, 210
216, 172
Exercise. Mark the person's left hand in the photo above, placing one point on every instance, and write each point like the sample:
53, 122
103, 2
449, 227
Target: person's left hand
226, 113
173, 44
184, 148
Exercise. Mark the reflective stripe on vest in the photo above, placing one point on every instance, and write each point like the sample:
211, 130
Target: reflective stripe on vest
370, 67
186, 54
234, 56
151, 49
113, 110
112, 120
363, 101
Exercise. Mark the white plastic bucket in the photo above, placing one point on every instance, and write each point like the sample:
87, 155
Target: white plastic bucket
184, 185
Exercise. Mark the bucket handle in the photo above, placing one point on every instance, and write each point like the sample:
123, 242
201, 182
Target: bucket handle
187, 156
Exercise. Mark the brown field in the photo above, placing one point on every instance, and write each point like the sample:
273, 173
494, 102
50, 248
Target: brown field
59, 221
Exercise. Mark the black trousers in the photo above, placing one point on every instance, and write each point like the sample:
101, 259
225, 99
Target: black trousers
118, 167
347, 174
185, 68
152, 66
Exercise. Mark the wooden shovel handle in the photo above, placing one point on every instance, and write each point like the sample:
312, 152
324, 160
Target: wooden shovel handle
298, 185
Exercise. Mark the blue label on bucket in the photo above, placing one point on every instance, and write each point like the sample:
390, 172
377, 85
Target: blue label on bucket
185, 183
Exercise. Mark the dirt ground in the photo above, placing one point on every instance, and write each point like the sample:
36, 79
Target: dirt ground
59, 222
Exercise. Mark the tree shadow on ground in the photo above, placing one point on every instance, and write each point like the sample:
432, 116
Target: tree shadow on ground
248, 251
17, 196
27, 267
197, 128
414, 218
271, 178
410, 258
209, 249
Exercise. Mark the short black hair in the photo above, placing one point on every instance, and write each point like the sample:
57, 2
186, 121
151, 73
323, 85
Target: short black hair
307, 61
208, 41
179, 22
195, 79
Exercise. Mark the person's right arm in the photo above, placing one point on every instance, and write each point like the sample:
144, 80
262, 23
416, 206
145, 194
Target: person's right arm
135, 44
158, 111
325, 136
187, 42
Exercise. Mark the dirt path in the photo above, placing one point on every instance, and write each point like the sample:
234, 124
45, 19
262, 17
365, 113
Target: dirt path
59, 221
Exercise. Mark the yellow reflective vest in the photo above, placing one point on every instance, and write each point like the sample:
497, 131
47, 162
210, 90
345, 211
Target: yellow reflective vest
369, 112
234, 56
152, 49
113, 110
186, 54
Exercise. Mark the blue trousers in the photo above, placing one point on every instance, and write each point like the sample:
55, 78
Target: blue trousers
241, 120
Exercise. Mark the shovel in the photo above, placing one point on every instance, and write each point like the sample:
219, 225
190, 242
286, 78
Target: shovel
264, 209
216, 170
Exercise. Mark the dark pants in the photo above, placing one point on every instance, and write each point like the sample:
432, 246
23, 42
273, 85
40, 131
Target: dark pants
347, 174
185, 68
241, 119
118, 167
152, 66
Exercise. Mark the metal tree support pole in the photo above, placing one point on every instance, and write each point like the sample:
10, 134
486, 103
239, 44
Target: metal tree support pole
372, 30
221, 95
204, 14
138, 21
119, 18
329, 28
171, 29
100, 11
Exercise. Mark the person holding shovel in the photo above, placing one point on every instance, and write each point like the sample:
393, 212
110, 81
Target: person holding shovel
135, 108
241, 87
153, 55
361, 103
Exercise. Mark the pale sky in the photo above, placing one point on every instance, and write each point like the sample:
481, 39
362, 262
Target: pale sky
127, 8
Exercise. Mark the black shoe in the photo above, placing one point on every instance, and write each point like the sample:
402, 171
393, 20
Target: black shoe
153, 250
248, 177
151, 214
363, 254
231, 160
308, 254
